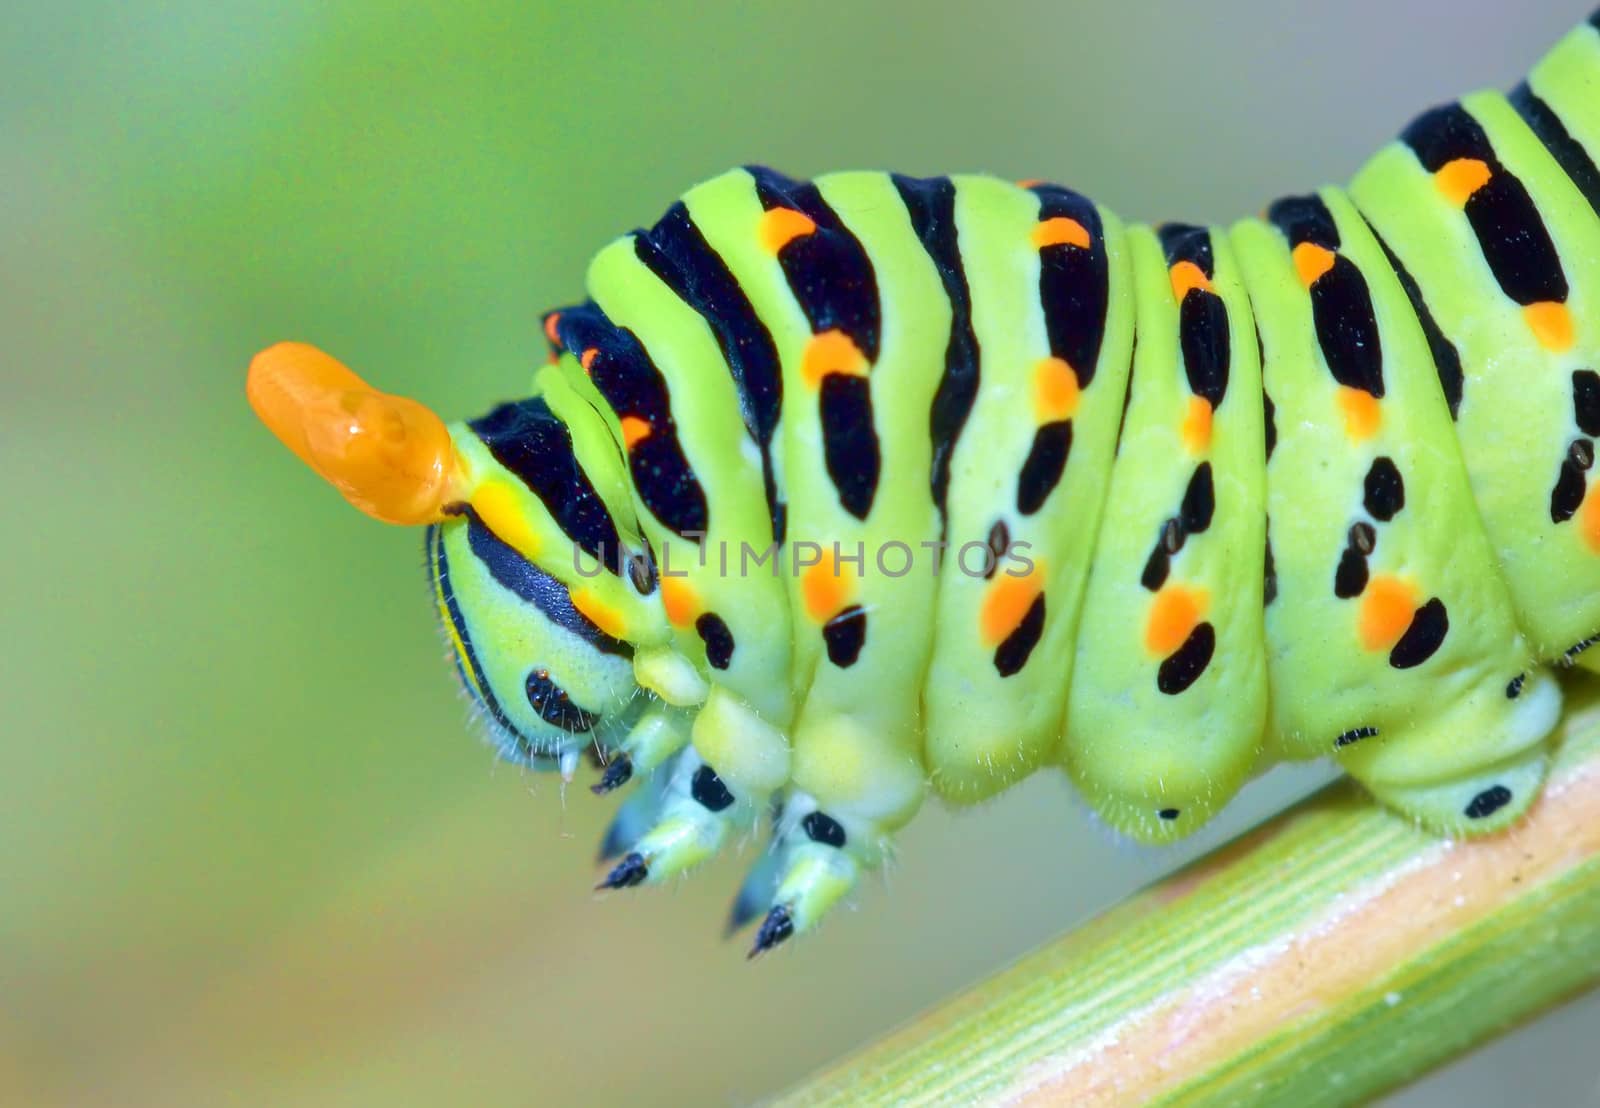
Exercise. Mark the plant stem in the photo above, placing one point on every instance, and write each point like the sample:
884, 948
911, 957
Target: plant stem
1330, 954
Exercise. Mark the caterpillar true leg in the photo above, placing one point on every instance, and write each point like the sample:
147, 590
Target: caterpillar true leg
818, 860
844, 490
696, 815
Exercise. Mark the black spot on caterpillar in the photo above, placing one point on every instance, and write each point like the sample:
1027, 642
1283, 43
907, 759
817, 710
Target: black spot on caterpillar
873, 360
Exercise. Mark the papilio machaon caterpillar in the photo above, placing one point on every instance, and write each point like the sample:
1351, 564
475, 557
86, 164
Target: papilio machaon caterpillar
836, 492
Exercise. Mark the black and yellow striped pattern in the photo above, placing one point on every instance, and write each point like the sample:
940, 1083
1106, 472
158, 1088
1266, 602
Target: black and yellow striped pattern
1160, 506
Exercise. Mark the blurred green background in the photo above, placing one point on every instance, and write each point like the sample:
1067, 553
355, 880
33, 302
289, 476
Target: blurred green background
250, 851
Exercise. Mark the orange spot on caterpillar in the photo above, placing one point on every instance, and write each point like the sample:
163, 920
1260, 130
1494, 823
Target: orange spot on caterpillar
825, 588
602, 615
1196, 427
1185, 276
501, 513
1007, 603
1060, 230
1460, 178
1055, 390
1174, 614
1030, 182
1362, 413
831, 352
1387, 605
781, 226
1551, 324
680, 602
1312, 261
633, 429
1589, 518
550, 332
587, 361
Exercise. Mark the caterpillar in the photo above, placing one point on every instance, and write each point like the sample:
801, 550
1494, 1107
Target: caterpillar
835, 494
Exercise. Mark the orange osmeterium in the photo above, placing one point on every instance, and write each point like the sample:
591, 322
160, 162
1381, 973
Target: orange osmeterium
389, 456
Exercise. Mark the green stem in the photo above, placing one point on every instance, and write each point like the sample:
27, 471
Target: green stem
1332, 953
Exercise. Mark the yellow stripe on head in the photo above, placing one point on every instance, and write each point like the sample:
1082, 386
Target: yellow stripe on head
501, 513
604, 616
449, 624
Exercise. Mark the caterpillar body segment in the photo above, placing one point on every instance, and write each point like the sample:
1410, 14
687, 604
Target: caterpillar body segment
1169, 686
1027, 421
838, 492
1500, 269
1372, 423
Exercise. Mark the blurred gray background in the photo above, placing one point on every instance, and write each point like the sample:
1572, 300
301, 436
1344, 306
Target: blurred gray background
250, 852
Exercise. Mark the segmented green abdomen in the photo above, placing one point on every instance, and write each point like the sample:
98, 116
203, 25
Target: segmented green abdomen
920, 482
1169, 691
835, 491
1490, 205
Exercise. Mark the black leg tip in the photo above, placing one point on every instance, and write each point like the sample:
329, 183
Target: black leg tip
617, 774
778, 926
626, 873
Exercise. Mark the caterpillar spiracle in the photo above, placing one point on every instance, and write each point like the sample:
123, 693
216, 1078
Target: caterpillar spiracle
837, 493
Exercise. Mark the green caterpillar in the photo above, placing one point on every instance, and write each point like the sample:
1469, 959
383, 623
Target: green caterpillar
837, 493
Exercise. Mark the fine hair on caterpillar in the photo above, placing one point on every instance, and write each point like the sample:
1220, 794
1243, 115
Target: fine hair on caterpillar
836, 493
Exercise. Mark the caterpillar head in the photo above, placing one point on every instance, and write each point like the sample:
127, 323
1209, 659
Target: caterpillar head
547, 679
